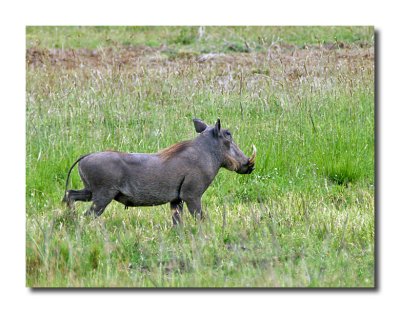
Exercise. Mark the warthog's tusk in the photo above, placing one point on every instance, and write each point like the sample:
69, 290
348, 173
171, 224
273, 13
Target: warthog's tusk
253, 156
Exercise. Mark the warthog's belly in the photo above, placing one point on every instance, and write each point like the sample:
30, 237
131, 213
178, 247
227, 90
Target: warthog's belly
129, 201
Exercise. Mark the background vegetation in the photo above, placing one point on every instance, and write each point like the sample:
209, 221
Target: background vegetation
209, 39
303, 95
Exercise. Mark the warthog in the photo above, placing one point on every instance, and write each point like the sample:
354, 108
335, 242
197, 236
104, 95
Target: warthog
180, 173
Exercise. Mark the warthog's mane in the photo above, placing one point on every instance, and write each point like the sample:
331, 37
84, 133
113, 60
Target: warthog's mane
173, 150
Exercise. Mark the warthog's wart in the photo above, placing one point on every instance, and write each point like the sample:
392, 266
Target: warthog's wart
180, 173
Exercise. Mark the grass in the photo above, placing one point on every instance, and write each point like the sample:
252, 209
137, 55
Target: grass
303, 218
214, 39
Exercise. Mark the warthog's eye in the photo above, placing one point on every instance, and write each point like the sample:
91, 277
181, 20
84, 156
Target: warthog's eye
228, 134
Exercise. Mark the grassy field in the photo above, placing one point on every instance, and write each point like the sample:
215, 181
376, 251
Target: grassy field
213, 39
303, 95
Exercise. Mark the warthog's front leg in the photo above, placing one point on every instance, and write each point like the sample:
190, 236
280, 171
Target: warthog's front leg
194, 207
176, 210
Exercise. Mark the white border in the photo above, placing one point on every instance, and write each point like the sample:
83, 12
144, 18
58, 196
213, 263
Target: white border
17, 14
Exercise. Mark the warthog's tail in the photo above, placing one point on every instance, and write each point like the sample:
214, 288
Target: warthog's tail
65, 199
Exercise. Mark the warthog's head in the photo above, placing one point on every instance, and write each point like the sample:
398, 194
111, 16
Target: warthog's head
224, 148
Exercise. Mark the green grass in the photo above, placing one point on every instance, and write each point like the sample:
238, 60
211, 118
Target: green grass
214, 39
303, 218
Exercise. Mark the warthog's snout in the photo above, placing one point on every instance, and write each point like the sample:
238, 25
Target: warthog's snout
250, 167
250, 164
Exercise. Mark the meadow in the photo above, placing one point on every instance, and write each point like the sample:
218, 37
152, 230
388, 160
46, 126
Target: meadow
303, 95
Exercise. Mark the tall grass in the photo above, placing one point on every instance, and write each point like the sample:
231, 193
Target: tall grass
305, 217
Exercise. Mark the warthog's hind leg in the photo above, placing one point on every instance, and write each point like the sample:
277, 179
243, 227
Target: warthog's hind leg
77, 195
100, 202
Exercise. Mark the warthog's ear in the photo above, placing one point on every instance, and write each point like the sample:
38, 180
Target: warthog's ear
199, 125
217, 128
